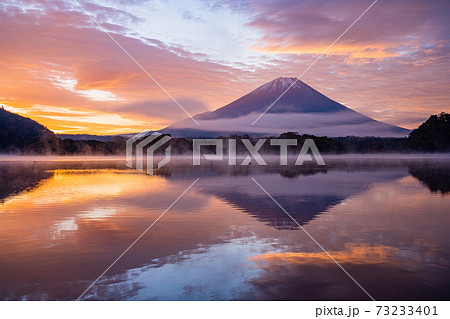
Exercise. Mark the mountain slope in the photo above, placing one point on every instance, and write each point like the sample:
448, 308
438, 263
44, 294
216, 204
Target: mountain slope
18, 132
433, 135
301, 109
300, 98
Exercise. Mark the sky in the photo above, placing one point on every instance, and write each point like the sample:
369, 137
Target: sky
58, 67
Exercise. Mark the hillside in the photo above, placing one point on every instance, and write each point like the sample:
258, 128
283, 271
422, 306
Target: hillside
433, 135
18, 133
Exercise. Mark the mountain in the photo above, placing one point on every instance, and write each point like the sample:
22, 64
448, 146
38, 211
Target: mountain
301, 109
20, 133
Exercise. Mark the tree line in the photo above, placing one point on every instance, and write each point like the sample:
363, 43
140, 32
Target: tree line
21, 135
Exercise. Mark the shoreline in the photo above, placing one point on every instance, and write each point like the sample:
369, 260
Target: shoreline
382, 156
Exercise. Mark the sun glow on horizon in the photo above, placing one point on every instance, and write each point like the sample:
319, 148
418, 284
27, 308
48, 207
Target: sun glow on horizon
66, 121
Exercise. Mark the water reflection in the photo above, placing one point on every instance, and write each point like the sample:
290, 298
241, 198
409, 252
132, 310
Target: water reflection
436, 177
15, 178
63, 223
304, 197
387, 272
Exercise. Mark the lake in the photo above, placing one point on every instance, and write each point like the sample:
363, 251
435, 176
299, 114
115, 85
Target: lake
385, 220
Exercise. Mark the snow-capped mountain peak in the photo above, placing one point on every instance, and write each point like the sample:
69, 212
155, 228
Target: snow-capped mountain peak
301, 109
279, 85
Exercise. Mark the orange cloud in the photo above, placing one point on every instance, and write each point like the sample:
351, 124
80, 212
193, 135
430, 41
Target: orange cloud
390, 66
354, 254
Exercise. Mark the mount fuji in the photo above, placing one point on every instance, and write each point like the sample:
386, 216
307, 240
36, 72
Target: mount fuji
301, 109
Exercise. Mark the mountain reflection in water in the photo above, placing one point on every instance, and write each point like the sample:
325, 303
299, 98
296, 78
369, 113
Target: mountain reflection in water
62, 223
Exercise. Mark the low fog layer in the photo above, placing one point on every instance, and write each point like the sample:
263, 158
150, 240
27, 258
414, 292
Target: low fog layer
332, 124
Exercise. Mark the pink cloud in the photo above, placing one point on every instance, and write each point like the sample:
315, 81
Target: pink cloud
393, 65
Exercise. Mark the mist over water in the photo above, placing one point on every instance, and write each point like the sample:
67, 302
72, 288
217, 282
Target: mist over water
384, 218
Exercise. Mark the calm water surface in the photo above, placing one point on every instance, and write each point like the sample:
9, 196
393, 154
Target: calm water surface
386, 221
